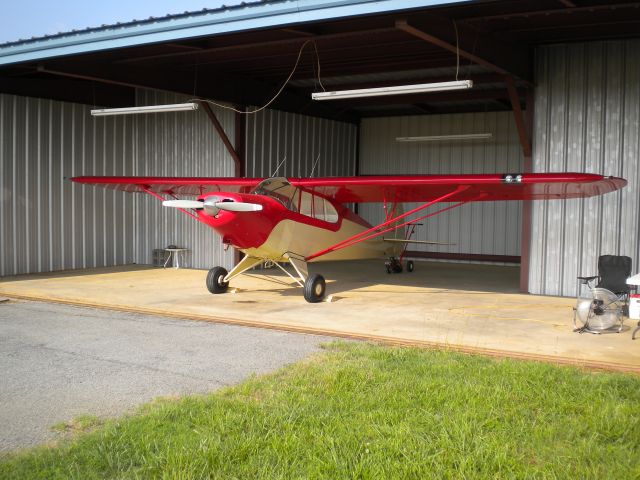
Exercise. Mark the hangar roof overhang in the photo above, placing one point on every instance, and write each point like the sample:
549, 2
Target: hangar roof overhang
243, 54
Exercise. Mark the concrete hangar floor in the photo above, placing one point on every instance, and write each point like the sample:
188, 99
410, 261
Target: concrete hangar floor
471, 308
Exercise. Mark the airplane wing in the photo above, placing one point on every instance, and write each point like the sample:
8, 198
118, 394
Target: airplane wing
390, 188
173, 185
491, 187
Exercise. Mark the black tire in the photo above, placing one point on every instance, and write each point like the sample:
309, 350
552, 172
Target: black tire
214, 280
410, 266
314, 288
388, 267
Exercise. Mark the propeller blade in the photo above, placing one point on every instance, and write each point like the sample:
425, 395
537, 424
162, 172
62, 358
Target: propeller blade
183, 203
239, 206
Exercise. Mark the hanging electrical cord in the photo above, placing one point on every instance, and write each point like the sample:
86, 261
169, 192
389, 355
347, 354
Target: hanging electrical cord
455, 27
293, 71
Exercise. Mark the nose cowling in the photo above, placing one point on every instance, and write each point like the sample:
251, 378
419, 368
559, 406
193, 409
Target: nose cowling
244, 223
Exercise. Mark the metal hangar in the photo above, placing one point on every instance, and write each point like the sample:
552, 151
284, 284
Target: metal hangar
556, 87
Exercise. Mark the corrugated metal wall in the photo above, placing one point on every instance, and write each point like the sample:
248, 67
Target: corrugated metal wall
490, 228
273, 135
587, 119
181, 144
46, 222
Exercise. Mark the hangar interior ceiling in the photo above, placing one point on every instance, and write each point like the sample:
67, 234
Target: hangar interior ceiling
492, 40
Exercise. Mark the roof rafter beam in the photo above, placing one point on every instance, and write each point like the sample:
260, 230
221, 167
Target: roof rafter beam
547, 12
496, 56
237, 161
477, 79
295, 31
432, 98
523, 134
249, 46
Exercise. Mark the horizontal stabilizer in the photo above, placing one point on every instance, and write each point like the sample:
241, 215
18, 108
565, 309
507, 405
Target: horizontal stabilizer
423, 242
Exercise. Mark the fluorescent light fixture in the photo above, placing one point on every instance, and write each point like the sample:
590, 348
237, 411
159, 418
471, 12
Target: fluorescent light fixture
447, 138
398, 90
176, 107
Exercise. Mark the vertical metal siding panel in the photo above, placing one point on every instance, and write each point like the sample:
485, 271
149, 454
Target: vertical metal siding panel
595, 125
557, 139
594, 112
483, 227
574, 126
541, 108
275, 135
630, 225
4, 197
47, 213
612, 143
19, 138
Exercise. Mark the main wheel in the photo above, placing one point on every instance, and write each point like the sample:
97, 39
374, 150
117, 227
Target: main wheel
215, 283
314, 288
410, 266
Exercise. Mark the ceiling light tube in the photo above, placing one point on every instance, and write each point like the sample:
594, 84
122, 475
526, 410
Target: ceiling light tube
397, 90
447, 138
176, 107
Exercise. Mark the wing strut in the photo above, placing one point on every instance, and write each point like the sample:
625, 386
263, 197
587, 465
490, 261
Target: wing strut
375, 231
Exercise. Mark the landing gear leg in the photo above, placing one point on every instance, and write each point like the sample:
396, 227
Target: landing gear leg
314, 286
218, 277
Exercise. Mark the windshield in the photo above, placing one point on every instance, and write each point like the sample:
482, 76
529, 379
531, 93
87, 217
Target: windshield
279, 189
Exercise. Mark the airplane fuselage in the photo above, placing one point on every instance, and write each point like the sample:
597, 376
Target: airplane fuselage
278, 230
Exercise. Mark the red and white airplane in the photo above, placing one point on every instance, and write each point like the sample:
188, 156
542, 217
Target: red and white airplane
301, 220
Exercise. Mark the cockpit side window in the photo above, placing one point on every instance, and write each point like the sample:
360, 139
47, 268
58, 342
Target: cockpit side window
305, 203
324, 210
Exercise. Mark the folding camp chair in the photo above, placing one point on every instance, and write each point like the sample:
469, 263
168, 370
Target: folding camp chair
607, 303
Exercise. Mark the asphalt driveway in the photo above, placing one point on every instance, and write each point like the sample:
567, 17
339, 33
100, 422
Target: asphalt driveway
58, 362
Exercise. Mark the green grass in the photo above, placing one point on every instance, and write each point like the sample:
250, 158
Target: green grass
366, 411
79, 424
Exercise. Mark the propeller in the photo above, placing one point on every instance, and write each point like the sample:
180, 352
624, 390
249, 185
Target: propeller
183, 203
212, 207
238, 206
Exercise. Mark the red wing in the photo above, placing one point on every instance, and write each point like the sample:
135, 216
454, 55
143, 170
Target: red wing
173, 185
414, 188
424, 188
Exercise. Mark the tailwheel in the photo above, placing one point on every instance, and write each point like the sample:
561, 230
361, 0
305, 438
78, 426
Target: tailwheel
215, 283
410, 266
393, 265
314, 288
